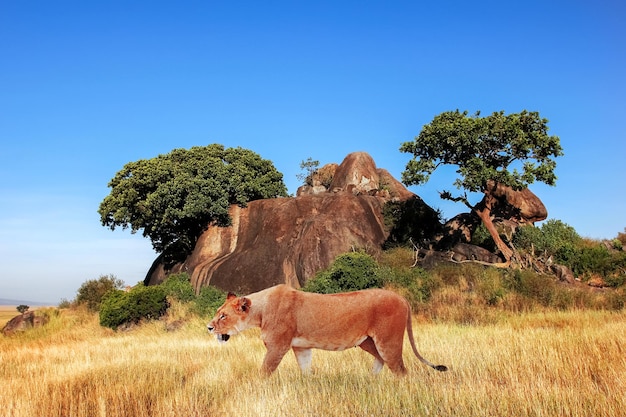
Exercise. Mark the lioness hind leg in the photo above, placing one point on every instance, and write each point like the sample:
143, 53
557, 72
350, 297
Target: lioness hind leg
369, 346
391, 353
303, 356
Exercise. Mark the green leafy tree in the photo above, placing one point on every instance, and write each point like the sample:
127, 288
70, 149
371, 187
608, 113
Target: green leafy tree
91, 292
498, 150
174, 197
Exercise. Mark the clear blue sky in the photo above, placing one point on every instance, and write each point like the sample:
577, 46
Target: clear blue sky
87, 86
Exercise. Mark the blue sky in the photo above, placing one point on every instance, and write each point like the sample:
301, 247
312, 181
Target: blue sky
86, 87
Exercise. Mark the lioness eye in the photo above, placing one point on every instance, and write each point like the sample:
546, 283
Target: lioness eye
222, 316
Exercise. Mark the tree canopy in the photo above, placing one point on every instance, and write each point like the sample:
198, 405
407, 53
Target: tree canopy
174, 197
514, 150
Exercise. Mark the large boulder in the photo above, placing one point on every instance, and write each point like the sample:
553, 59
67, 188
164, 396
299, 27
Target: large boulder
287, 240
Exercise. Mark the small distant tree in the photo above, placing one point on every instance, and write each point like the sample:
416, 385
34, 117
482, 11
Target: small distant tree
308, 168
92, 291
512, 150
22, 308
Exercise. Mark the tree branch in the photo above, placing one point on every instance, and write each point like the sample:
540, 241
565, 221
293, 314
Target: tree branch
446, 195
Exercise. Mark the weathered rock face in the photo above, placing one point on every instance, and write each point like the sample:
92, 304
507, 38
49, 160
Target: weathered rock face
287, 240
521, 206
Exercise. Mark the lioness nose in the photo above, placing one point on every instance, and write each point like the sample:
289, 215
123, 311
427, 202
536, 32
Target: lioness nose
210, 327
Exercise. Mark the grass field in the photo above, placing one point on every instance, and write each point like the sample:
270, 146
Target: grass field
539, 364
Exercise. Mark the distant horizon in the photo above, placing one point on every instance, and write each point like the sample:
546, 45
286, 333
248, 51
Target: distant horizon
9, 302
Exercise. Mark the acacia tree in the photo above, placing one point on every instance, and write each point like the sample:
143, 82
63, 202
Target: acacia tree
174, 197
512, 150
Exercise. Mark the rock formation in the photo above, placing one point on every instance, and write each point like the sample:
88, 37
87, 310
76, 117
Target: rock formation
287, 240
353, 205
23, 322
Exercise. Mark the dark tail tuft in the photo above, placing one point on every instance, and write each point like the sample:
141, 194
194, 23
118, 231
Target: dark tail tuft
441, 368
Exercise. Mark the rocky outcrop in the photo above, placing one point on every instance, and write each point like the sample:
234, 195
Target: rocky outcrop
358, 175
23, 322
287, 240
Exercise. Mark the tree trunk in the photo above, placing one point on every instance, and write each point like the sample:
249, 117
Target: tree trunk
483, 210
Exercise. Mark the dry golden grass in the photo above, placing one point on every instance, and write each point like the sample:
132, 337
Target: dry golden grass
540, 364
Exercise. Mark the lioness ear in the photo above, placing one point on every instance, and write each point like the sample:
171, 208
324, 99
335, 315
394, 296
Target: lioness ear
244, 304
230, 296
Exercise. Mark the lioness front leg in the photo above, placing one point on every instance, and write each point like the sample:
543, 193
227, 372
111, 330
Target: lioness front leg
273, 356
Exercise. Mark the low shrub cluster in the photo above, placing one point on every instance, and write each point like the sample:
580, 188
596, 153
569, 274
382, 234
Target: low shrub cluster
146, 303
466, 293
586, 258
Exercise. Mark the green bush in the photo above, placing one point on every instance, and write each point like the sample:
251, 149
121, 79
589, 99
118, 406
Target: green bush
349, 272
120, 307
179, 287
555, 238
92, 291
208, 301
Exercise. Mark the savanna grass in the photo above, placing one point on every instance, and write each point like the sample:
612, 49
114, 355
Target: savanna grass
569, 363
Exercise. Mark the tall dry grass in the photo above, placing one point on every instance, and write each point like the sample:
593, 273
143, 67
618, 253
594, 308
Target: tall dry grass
539, 364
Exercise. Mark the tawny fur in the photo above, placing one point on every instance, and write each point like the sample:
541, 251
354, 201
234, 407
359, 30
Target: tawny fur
374, 320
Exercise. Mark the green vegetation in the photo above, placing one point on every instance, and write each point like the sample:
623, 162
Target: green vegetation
141, 303
497, 150
349, 272
92, 291
120, 307
467, 293
174, 197
586, 258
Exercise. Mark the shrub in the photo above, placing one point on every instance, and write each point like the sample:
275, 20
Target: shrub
92, 291
592, 259
555, 238
179, 287
349, 272
119, 307
208, 301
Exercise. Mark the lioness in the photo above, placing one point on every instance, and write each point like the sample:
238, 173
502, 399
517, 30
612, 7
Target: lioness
372, 319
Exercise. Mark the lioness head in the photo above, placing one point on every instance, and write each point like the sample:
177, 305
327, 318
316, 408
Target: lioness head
230, 317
